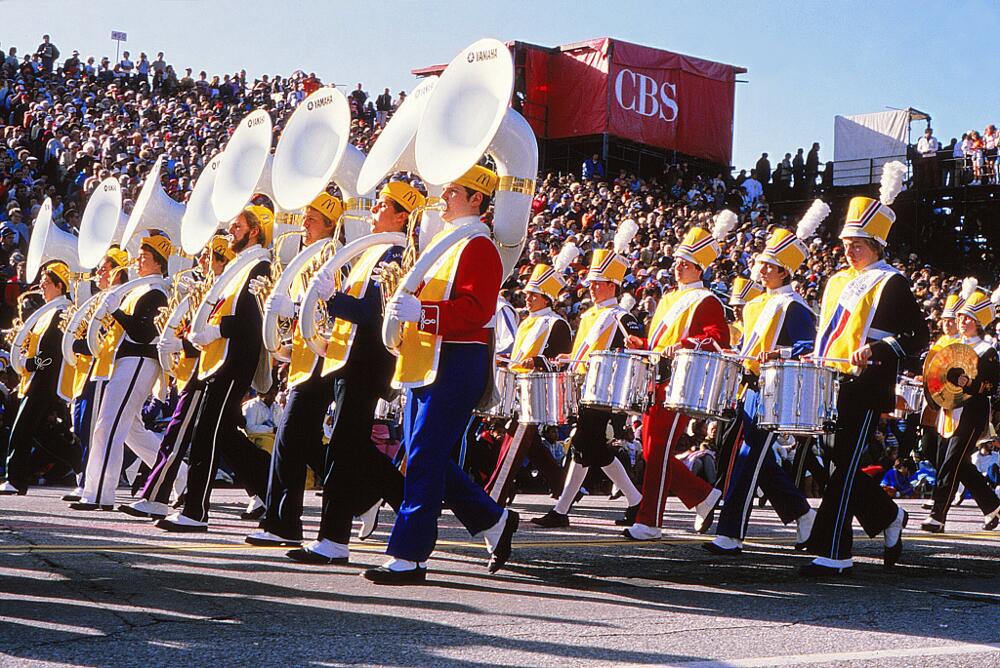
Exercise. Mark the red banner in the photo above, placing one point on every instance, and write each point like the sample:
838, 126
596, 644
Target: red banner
672, 101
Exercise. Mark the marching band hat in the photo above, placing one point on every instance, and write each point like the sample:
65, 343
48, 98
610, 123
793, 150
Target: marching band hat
545, 281
266, 218
784, 249
744, 289
60, 271
480, 179
403, 194
951, 302
220, 244
117, 257
607, 265
978, 306
329, 206
159, 244
699, 247
868, 218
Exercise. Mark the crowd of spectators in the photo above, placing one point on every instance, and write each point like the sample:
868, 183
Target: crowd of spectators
67, 124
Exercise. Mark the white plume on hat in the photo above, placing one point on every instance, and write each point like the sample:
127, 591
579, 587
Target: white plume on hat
969, 286
995, 297
893, 174
627, 301
725, 222
816, 214
627, 230
754, 269
567, 254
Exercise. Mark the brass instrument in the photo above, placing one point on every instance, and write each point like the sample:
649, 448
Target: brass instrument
10, 334
389, 274
262, 286
175, 318
944, 371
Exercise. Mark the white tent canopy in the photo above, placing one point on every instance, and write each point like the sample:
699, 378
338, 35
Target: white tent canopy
864, 142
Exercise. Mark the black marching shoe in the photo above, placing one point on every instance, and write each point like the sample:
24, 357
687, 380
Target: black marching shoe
254, 514
502, 552
890, 555
80, 505
551, 520
7, 489
725, 551
72, 498
384, 576
629, 519
817, 571
304, 556
992, 520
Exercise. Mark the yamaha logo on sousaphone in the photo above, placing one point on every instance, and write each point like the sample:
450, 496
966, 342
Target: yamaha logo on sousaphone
320, 103
478, 56
255, 121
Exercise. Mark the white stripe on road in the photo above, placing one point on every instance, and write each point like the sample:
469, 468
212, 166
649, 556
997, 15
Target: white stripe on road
872, 655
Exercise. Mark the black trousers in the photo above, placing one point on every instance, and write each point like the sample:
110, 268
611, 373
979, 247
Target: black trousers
357, 474
298, 443
728, 442
216, 433
31, 412
957, 467
590, 440
850, 493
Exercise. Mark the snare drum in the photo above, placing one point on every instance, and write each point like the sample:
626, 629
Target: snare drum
909, 397
546, 397
506, 386
798, 398
618, 381
704, 384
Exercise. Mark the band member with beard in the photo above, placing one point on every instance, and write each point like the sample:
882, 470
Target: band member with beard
232, 355
444, 363
43, 381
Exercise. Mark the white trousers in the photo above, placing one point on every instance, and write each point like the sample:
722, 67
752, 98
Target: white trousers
119, 419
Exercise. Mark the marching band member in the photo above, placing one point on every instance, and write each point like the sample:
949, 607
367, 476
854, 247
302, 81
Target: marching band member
743, 291
444, 363
929, 439
870, 317
777, 324
130, 346
44, 379
961, 428
357, 476
299, 436
231, 353
169, 471
689, 316
111, 271
541, 337
604, 326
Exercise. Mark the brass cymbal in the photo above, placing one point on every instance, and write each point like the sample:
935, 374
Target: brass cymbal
943, 370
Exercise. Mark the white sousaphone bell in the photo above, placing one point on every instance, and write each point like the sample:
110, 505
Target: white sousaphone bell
155, 210
468, 116
49, 243
103, 222
200, 223
314, 149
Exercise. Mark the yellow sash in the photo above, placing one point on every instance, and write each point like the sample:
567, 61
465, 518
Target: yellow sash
419, 352
33, 340
763, 317
81, 372
112, 339
672, 318
338, 348
597, 329
214, 355
849, 304
303, 358
530, 340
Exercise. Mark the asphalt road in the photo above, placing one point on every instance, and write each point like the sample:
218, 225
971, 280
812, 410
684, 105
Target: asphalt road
103, 589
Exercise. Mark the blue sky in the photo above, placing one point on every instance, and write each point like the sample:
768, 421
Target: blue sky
807, 60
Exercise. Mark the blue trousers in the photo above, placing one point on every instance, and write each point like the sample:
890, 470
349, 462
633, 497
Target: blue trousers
755, 467
433, 422
82, 415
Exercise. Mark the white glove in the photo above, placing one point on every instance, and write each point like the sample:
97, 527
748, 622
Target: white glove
281, 305
405, 308
112, 301
326, 283
206, 336
169, 345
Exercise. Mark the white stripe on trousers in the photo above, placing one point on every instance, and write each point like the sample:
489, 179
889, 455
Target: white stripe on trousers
180, 479
210, 478
752, 488
667, 452
845, 494
508, 462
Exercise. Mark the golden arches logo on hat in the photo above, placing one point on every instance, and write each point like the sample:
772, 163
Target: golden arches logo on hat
868, 218
60, 270
404, 194
480, 179
785, 250
978, 306
158, 243
328, 205
699, 247
545, 281
117, 257
220, 245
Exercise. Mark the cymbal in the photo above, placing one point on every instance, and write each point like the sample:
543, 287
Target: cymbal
942, 370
